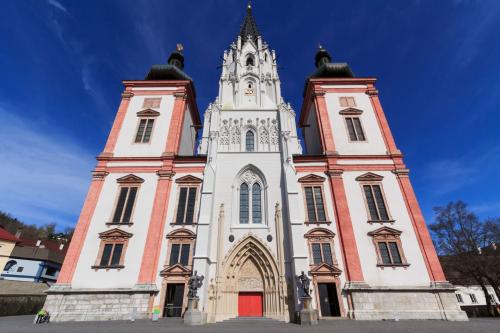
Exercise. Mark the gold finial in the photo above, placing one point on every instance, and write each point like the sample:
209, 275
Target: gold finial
179, 47
249, 6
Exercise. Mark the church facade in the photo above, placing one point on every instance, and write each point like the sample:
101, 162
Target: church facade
250, 207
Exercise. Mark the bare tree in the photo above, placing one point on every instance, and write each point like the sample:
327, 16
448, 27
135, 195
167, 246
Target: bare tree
468, 246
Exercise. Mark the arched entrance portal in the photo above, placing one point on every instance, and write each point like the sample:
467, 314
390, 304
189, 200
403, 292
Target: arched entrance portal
250, 284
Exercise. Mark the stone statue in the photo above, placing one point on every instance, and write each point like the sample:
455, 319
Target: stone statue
305, 282
194, 282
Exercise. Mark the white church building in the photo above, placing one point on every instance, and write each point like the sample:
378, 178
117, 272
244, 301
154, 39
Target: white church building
239, 199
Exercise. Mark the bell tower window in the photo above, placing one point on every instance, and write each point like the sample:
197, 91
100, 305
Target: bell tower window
249, 141
250, 61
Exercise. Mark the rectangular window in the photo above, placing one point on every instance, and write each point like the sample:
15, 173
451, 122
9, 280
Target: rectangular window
151, 103
144, 131
185, 206
174, 254
459, 298
314, 203
492, 299
20, 269
322, 252
316, 249
389, 253
346, 102
125, 204
354, 128
473, 298
327, 253
179, 254
384, 253
111, 255
376, 203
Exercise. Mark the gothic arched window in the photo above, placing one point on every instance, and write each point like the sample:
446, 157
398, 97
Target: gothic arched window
249, 61
256, 204
249, 141
244, 203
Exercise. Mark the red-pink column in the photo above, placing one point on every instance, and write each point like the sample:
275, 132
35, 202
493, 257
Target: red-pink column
117, 124
424, 238
351, 260
78, 239
324, 123
382, 121
150, 257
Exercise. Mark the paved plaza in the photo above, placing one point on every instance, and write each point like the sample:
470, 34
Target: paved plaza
24, 324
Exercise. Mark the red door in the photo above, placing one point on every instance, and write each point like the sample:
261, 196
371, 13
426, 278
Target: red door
250, 304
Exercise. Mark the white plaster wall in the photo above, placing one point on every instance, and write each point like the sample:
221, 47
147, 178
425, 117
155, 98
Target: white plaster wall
188, 135
125, 144
312, 134
228, 166
169, 227
374, 144
30, 270
416, 273
85, 276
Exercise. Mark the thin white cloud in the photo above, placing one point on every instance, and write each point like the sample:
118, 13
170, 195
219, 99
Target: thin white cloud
449, 175
58, 5
44, 175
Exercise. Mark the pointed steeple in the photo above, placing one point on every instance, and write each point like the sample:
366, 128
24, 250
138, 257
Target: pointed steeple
249, 27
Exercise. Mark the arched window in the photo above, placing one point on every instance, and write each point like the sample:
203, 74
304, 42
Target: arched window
265, 57
256, 204
244, 203
9, 265
249, 142
249, 61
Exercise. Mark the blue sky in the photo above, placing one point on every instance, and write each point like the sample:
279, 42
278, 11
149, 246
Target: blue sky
62, 63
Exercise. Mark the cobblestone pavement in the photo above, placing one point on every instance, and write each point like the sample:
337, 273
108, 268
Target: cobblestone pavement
24, 324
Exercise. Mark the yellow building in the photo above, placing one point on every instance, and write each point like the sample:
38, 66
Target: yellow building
7, 243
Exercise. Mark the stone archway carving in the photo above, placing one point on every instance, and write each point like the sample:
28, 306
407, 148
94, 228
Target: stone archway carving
250, 266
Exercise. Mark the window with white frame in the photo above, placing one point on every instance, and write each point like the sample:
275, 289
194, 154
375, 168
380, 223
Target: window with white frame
473, 298
459, 298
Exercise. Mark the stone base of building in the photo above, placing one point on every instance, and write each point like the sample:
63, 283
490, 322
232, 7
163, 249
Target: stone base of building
437, 301
67, 304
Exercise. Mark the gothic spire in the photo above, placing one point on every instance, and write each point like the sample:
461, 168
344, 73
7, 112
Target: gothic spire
249, 27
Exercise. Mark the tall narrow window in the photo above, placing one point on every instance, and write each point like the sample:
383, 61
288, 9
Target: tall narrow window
179, 254
388, 246
354, 128
111, 255
459, 298
144, 131
473, 298
376, 203
244, 203
249, 141
186, 205
256, 204
314, 202
125, 204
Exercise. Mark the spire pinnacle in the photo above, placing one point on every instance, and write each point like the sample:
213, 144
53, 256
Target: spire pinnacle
249, 27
